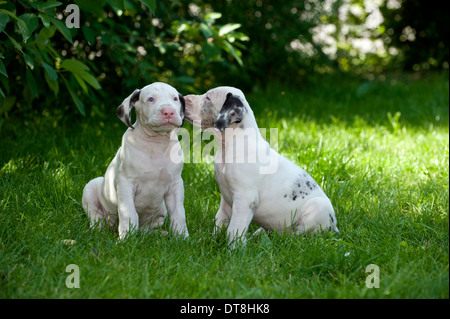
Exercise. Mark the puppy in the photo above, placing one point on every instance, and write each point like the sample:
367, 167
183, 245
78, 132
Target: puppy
141, 184
281, 197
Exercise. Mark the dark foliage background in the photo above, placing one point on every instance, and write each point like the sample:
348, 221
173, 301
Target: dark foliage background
49, 69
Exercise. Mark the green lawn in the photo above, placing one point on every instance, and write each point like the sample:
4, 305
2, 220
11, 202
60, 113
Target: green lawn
379, 149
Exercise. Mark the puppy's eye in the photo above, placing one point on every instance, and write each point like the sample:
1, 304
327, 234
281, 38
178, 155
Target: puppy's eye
175, 99
151, 99
208, 99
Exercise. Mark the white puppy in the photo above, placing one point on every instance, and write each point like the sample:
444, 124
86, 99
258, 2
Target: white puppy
141, 184
284, 198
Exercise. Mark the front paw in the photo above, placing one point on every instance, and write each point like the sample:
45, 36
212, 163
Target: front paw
237, 243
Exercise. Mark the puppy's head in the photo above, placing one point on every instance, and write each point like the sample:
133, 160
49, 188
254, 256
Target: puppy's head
220, 108
158, 106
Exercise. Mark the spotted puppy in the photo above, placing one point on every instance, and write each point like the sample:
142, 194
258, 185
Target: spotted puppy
282, 198
141, 184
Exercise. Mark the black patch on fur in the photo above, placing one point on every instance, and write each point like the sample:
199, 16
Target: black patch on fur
311, 185
135, 97
183, 108
126, 116
120, 111
232, 103
299, 189
332, 219
252, 206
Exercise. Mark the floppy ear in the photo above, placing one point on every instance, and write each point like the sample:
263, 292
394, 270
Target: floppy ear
124, 109
183, 108
232, 111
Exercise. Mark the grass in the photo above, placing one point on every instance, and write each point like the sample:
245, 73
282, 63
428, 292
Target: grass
379, 149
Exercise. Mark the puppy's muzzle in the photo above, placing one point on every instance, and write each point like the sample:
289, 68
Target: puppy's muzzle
220, 124
168, 112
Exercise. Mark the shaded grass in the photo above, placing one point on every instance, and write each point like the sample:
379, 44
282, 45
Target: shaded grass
386, 175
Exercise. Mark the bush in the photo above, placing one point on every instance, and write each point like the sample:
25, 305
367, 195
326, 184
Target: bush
121, 45
118, 46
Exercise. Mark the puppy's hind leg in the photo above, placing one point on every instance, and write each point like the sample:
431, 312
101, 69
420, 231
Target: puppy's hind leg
317, 215
91, 202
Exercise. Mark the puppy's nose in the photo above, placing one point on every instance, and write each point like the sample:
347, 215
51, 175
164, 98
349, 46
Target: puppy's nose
167, 112
220, 124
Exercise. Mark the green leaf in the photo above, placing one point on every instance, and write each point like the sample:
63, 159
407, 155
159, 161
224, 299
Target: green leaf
80, 69
7, 103
45, 19
12, 15
206, 30
53, 85
4, 18
62, 28
130, 6
81, 83
91, 80
151, 4
78, 103
89, 34
43, 36
52, 75
32, 83
6, 84
92, 6
211, 52
182, 27
14, 42
3, 69
213, 16
74, 66
234, 52
28, 60
241, 36
42, 5
227, 28
31, 22
116, 5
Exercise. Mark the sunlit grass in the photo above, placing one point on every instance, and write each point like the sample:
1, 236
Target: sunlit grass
380, 151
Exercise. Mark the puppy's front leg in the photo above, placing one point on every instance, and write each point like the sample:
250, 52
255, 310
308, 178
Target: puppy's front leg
175, 208
242, 214
223, 215
128, 217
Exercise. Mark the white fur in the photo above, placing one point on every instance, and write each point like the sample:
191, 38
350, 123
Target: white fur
141, 184
286, 198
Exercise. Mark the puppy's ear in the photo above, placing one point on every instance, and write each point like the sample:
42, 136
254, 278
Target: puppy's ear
232, 111
183, 108
124, 109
